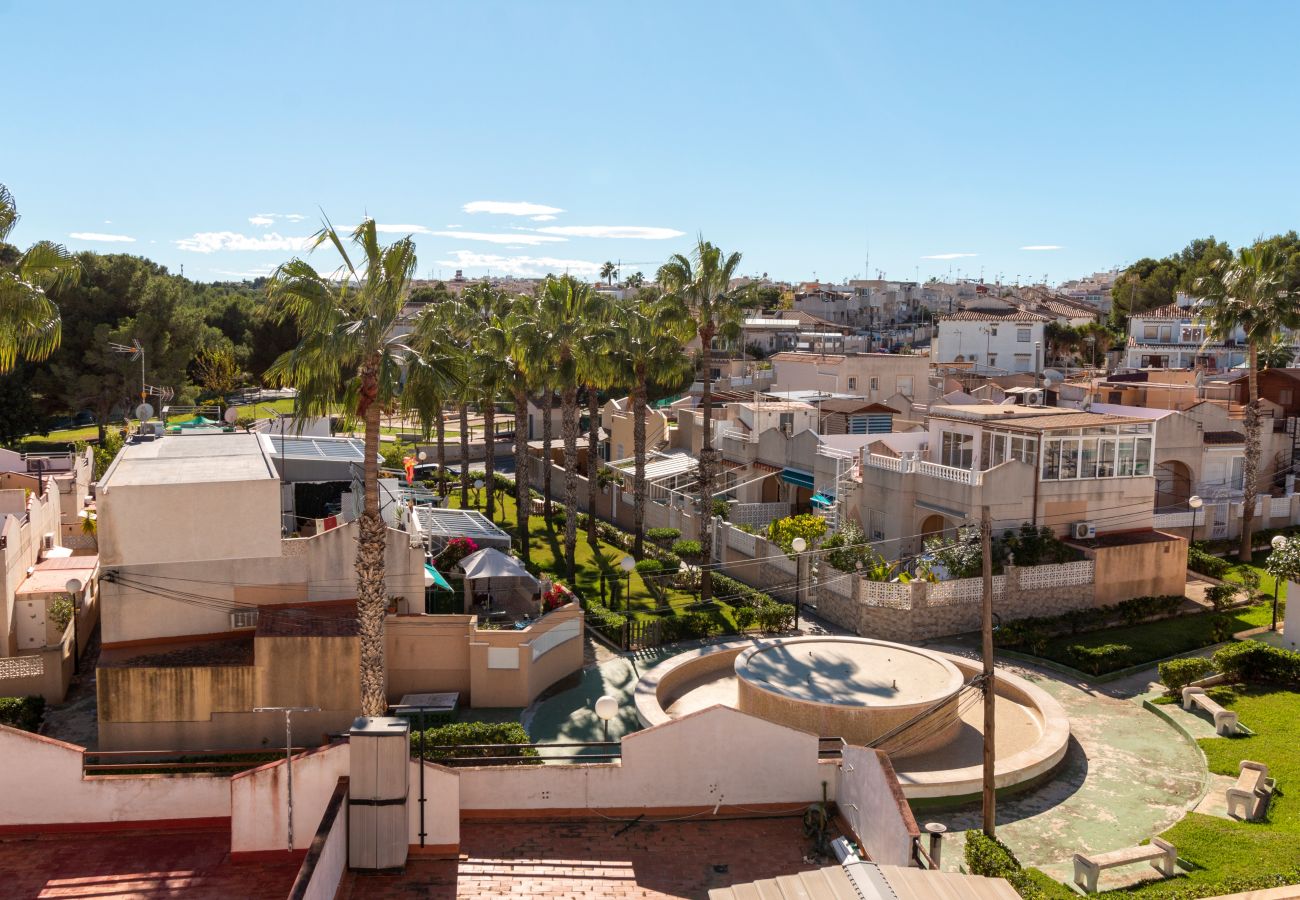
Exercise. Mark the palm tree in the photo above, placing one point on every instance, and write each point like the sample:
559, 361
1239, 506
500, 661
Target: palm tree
608, 271
635, 280
348, 352
526, 357
652, 330
598, 371
1249, 293
30, 326
486, 309
427, 391
567, 306
703, 283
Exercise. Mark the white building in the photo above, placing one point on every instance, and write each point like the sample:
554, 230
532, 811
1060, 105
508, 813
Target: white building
1011, 341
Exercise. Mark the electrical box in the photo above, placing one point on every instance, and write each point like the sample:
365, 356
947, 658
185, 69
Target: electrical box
378, 785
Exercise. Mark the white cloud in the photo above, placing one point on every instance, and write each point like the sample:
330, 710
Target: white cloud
1043, 247
523, 266
108, 221
99, 236
637, 232
530, 240
264, 220
212, 241
255, 272
402, 229
949, 255
453, 226
510, 208
547, 218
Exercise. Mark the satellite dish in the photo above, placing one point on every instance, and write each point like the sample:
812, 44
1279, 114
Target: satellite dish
1009, 400
231, 415
144, 412
1053, 376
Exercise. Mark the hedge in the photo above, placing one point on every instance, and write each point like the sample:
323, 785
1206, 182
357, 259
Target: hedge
1033, 633
737, 593
1253, 661
1200, 561
688, 549
1104, 658
1177, 674
446, 741
991, 858
24, 713
663, 535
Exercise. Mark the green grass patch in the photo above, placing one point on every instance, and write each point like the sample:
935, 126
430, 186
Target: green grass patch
1151, 641
1266, 581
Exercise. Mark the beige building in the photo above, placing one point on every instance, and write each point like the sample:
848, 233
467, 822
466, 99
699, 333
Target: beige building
892, 378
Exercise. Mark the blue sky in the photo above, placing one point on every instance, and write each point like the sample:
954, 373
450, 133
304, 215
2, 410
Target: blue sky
798, 133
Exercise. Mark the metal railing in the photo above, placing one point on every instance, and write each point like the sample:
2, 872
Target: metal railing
569, 752
172, 762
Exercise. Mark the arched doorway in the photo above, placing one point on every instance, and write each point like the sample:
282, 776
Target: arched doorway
1173, 485
933, 525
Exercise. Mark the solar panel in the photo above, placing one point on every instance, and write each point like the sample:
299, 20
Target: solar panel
314, 448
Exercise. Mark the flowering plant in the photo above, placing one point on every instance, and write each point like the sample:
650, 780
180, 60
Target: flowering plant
557, 596
456, 550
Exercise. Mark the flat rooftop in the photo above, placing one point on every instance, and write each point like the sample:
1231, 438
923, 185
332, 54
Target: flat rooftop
1034, 418
190, 459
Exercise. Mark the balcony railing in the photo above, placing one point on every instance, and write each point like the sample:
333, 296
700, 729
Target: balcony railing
907, 465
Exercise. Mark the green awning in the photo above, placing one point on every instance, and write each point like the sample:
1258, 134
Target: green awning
797, 477
822, 500
437, 580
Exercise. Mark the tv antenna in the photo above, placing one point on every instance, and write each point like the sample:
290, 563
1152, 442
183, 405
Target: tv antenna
135, 351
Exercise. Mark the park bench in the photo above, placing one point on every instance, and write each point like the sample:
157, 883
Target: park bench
1248, 798
1225, 720
1088, 868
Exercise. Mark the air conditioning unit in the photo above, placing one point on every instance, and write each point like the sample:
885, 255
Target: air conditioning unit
47, 541
1083, 531
243, 618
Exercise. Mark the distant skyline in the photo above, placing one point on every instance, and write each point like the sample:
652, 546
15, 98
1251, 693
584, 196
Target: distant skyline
1020, 140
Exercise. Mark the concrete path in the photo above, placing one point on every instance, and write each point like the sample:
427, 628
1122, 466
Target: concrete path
1128, 775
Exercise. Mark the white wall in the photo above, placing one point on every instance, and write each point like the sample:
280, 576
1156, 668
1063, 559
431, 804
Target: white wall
41, 783
969, 340
872, 803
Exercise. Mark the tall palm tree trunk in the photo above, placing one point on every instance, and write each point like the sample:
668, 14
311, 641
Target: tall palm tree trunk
464, 456
440, 424
706, 467
1251, 467
593, 443
548, 406
489, 452
523, 500
371, 592
638, 451
569, 427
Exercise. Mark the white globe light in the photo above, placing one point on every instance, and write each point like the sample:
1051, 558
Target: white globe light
478, 483
628, 563
1278, 542
1195, 502
606, 708
799, 545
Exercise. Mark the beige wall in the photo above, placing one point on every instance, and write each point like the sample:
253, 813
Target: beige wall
41, 783
176, 523
1148, 568
831, 372
312, 569
621, 423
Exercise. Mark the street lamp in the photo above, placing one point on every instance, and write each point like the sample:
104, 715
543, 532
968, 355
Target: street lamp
799, 545
627, 564
606, 709
1277, 543
1195, 502
74, 588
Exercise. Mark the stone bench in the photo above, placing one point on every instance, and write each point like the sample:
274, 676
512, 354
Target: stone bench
1225, 720
1248, 797
1087, 869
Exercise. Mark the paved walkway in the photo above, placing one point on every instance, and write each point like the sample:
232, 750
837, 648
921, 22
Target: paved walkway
1128, 775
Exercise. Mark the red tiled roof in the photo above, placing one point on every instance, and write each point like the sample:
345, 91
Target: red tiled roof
1011, 315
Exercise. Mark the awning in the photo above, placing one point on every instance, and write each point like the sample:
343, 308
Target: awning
822, 500
797, 477
433, 578
492, 563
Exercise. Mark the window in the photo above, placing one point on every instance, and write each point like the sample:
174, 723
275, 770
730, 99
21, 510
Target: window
1096, 457
957, 450
1025, 449
853, 383
1237, 480
1022, 335
787, 422
993, 331
1150, 332
904, 383
1022, 363
993, 360
873, 384
1284, 397
1166, 333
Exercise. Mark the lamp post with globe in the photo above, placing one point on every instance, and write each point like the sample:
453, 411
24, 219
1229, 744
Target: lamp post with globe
1282, 563
1195, 502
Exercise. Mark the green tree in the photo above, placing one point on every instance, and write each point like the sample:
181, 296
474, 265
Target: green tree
782, 532
349, 353
651, 331
525, 362
30, 323
431, 386
597, 370
1249, 292
486, 310
218, 371
608, 271
703, 283
635, 280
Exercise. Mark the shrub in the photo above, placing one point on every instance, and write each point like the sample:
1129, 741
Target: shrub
722, 509
663, 536
737, 593
1177, 674
605, 619
668, 559
443, 741
1200, 561
1102, 658
1253, 661
24, 713
688, 626
745, 616
649, 567
775, 616
457, 549
692, 550
993, 859
60, 613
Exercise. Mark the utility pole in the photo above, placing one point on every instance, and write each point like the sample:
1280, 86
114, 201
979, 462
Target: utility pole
986, 632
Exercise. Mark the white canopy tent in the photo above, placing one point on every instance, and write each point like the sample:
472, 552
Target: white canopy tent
497, 583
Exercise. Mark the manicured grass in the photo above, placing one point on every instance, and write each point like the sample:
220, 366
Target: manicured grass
546, 551
1157, 640
55, 440
1266, 580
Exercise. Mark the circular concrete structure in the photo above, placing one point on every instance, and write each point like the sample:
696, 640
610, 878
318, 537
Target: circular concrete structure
853, 688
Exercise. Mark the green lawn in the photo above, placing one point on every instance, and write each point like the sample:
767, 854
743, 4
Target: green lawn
56, 440
1157, 640
1266, 580
546, 549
